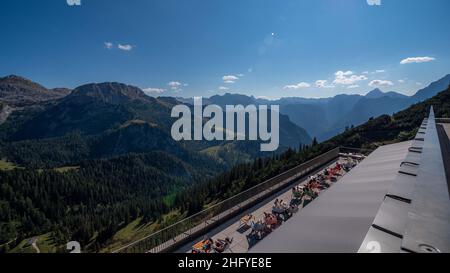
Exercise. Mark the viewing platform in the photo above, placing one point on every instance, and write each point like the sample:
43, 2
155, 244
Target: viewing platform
184, 234
240, 229
396, 200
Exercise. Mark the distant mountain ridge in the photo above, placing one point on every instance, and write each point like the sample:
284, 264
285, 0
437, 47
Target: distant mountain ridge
432, 89
99, 108
103, 120
326, 117
17, 91
377, 93
110, 92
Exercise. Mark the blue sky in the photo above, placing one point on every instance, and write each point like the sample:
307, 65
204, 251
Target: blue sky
265, 48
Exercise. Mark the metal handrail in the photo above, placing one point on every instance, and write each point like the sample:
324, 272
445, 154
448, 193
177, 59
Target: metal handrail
361, 150
195, 224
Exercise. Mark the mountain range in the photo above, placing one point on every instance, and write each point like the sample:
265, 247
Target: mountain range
41, 127
17, 91
326, 117
51, 128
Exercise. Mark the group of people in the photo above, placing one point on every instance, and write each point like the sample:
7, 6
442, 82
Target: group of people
279, 206
281, 211
301, 195
323, 180
209, 245
265, 225
349, 164
313, 187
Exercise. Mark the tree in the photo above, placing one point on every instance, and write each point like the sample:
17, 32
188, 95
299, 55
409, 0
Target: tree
314, 143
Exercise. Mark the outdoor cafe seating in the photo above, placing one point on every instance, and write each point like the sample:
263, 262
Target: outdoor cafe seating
297, 193
245, 220
258, 228
204, 246
221, 246
270, 220
292, 209
302, 195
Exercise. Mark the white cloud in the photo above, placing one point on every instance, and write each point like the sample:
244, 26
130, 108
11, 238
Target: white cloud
353, 86
151, 90
346, 73
401, 81
73, 2
230, 79
175, 86
109, 45
240, 75
411, 60
297, 86
223, 88
347, 78
373, 72
380, 83
125, 47
419, 83
323, 84
374, 2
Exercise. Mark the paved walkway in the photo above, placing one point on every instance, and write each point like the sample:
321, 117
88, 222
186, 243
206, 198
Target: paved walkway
232, 228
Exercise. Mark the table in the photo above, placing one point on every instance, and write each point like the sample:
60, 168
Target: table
245, 220
199, 247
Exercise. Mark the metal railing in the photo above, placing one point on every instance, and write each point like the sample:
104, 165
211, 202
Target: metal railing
350, 150
187, 229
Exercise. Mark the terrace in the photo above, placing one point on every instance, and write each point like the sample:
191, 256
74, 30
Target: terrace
251, 226
221, 218
396, 200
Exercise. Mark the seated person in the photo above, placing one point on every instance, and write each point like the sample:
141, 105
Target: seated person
296, 201
292, 209
270, 219
297, 193
257, 228
277, 210
208, 245
221, 245
315, 185
324, 185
